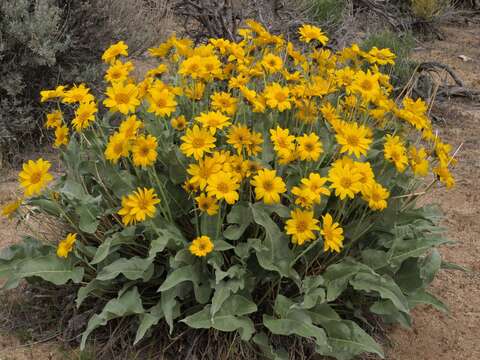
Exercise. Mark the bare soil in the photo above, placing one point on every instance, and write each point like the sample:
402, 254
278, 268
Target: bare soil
453, 336
434, 336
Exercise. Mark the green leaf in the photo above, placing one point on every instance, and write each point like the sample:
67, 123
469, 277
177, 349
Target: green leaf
73, 190
347, 340
241, 216
85, 291
111, 244
227, 323
423, 297
48, 206
277, 255
223, 290
429, 267
147, 320
185, 273
301, 328
403, 249
261, 340
170, 306
390, 314
338, 275
32, 259
383, 285
129, 303
229, 318
133, 269
221, 245
88, 217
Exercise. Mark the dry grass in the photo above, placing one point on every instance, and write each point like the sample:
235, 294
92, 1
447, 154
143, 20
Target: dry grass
140, 23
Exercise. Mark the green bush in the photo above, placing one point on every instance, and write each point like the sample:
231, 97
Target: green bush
273, 203
47, 42
328, 13
402, 45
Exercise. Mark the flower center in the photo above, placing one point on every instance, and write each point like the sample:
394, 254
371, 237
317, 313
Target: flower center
161, 102
353, 140
302, 226
122, 98
144, 150
366, 85
345, 182
309, 147
118, 148
35, 177
222, 187
268, 185
198, 142
280, 96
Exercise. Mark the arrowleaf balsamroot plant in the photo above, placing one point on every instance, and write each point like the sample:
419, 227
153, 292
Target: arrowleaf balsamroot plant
260, 187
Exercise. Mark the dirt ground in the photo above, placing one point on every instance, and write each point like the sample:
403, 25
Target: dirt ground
434, 336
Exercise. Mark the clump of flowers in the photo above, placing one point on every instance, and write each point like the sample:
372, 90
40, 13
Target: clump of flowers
243, 180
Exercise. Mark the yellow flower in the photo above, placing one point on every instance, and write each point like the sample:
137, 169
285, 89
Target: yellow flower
345, 179
268, 186
395, 152
223, 186
315, 183
77, 94
365, 170
202, 171
162, 102
445, 176
196, 91
380, 56
130, 127
11, 207
144, 150
282, 141
35, 176
54, 119
189, 187
252, 167
201, 246
117, 146
309, 147
138, 206
332, 234
46, 95
272, 63
418, 161
367, 85
115, 50
239, 137
84, 116
304, 196
118, 71
66, 245
61, 136
310, 32
355, 139
193, 67
212, 68
301, 226
376, 195
277, 97
213, 120
196, 142
207, 204
224, 102
179, 123
122, 98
